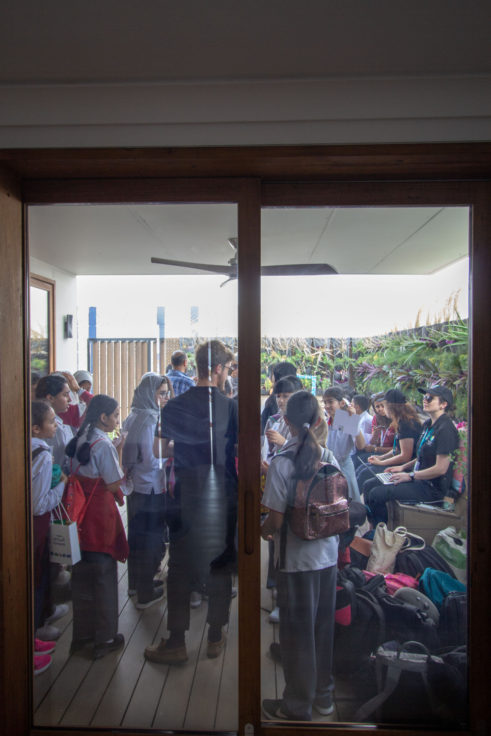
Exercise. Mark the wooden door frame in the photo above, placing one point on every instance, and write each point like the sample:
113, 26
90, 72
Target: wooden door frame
460, 173
48, 285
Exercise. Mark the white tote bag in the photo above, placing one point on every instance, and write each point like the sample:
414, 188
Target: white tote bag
386, 545
64, 545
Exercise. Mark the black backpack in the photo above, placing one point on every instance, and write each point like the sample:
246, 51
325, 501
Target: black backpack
415, 562
360, 621
452, 626
367, 616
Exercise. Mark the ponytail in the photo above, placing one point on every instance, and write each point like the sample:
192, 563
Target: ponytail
100, 404
302, 411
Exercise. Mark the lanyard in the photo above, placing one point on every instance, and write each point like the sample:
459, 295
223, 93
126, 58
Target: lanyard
428, 434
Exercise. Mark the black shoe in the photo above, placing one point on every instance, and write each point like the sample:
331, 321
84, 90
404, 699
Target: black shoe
272, 710
158, 594
78, 644
100, 650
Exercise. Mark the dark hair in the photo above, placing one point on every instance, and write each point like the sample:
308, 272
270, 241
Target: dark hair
210, 354
334, 392
39, 410
381, 420
303, 411
287, 385
403, 413
50, 385
362, 401
100, 404
177, 358
280, 370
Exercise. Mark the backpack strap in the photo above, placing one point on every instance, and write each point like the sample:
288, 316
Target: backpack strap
38, 451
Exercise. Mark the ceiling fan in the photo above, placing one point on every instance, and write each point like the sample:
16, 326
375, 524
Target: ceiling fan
288, 269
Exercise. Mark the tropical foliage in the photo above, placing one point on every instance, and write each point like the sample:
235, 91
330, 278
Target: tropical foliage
407, 360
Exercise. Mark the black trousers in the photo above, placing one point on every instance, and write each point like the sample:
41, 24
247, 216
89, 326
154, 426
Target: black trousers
146, 529
95, 597
377, 494
307, 603
181, 580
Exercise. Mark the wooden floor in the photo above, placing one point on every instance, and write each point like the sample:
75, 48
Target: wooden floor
123, 690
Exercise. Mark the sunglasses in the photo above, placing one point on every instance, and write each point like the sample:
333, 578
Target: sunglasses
428, 398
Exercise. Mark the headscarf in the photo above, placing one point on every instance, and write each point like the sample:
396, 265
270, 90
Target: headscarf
80, 376
144, 412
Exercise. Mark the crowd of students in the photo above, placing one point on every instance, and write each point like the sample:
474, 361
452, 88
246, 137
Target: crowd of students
418, 459
162, 462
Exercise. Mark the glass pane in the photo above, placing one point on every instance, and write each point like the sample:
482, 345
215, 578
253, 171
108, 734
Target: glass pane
147, 636
377, 336
39, 316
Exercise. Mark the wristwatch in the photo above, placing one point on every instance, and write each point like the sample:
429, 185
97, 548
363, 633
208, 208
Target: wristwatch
411, 474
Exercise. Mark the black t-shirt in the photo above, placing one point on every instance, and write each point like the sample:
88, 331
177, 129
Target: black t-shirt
407, 430
441, 438
201, 421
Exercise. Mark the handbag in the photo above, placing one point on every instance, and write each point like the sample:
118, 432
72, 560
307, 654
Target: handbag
452, 546
64, 544
385, 547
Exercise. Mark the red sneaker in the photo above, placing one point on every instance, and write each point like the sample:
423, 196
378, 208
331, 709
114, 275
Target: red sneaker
44, 647
41, 663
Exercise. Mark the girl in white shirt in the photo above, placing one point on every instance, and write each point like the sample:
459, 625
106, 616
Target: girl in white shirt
94, 462
146, 474
47, 486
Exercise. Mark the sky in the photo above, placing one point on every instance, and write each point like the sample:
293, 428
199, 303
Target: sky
310, 306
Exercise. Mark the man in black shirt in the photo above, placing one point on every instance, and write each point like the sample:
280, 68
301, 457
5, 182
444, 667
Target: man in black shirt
202, 425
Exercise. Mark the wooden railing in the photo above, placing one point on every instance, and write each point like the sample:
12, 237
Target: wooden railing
117, 365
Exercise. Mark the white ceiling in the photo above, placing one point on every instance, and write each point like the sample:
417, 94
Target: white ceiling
120, 239
127, 40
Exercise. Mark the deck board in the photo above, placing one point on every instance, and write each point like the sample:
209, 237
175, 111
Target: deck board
123, 690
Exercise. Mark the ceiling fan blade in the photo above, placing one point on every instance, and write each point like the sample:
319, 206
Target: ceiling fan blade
225, 270
298, 269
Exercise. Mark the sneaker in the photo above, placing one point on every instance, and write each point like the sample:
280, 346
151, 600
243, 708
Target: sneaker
44, 647
41, 663
272, 710
100, 650
60, 610
324, 710
158, 585
196, 599
162, 654
274, 616
215, 648
48, 633
157, 596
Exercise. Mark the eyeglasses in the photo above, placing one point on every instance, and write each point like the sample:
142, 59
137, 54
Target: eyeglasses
428, 398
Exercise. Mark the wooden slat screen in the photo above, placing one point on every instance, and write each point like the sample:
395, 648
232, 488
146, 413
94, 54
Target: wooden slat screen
117, 365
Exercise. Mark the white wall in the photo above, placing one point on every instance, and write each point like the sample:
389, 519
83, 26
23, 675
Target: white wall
65, 303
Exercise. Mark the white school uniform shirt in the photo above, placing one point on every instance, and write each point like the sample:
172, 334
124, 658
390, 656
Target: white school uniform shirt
342, 444
58, 443
104, 460
44, 498
366, 425
147, 476
301, 555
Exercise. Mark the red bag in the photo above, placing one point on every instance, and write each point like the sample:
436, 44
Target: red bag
394, 581
73, 500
